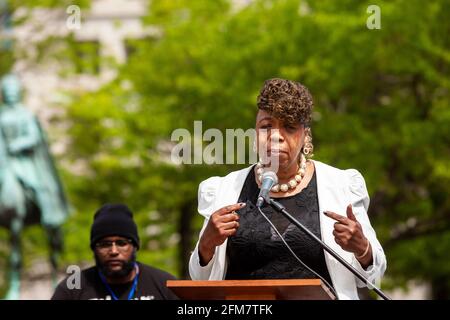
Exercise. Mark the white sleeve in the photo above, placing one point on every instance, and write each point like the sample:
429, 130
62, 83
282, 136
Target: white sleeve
360, 202
206, 199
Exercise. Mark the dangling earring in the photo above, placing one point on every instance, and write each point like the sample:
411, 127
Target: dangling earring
307, 146
302, 169
305, 151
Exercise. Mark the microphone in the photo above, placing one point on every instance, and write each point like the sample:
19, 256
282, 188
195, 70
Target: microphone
269, 179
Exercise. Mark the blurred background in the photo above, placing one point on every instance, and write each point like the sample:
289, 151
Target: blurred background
110, 90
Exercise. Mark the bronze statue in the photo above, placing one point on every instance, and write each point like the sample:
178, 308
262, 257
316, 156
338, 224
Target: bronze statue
30, 189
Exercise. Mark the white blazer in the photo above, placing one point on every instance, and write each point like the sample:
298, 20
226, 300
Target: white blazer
336, 189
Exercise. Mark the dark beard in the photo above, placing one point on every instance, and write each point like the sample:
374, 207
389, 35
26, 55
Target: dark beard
127, 267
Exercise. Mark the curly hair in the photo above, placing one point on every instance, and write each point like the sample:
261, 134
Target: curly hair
286, 100
290, 102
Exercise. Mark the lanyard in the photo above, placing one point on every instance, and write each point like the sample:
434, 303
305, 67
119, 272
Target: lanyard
133, 288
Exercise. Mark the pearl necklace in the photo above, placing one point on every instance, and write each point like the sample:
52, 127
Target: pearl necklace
292, 184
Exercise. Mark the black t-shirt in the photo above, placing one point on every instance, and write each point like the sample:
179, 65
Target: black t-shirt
151, 285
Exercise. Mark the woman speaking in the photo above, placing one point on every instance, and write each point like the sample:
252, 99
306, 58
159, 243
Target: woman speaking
239, 241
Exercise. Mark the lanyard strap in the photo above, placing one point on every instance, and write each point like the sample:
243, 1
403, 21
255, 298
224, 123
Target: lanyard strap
133, 288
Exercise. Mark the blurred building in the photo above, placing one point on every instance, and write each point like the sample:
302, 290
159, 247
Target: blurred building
102, 43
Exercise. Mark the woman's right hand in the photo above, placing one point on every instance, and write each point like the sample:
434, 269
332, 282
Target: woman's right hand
222, 224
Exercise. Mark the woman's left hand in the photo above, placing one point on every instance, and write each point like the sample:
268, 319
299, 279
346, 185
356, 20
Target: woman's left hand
349, 235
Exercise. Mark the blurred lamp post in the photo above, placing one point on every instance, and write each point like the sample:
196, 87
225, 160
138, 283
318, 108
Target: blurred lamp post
5, 26
6, 38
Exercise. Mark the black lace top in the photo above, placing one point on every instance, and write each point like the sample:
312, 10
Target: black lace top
256, 251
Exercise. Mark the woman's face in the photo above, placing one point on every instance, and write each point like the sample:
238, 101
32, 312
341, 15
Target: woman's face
278, 141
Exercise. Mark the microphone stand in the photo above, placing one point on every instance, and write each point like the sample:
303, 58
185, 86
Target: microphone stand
280, 208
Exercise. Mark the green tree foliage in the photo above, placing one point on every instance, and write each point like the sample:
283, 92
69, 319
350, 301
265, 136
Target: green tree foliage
381, 99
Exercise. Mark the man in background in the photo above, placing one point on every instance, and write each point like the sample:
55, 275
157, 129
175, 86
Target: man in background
117, 275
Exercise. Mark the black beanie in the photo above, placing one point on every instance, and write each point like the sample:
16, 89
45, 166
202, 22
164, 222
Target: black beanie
114, 220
